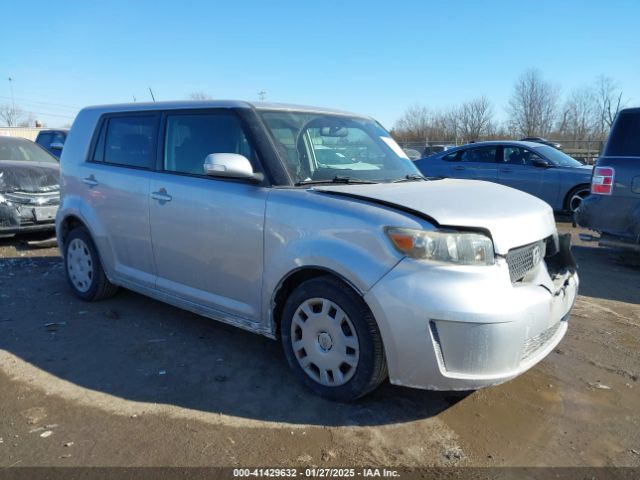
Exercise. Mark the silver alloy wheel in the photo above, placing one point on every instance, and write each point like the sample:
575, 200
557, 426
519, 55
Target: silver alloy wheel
576, 199
325, 342
79, 265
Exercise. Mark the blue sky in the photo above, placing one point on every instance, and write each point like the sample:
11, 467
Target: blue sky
371, 57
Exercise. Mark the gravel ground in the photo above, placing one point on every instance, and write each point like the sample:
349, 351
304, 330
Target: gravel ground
131, 381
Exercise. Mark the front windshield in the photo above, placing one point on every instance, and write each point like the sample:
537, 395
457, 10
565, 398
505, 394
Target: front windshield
557, 157
23, 150
319, 147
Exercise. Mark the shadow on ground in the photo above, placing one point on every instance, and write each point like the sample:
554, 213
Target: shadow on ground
623, 279
139, 349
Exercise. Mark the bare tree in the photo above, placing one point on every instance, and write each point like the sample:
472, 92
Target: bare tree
415, 124
200, 95
580, 115
11, 115
474, 118
533, 105
609, 98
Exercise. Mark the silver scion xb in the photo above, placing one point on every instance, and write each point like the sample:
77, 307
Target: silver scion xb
312, 226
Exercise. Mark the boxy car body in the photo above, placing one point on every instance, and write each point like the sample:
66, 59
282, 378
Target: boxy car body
240, 250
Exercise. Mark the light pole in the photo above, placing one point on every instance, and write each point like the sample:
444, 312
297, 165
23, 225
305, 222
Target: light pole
262, 95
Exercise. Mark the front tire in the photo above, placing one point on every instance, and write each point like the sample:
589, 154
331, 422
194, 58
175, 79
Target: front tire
83, 268
331, 340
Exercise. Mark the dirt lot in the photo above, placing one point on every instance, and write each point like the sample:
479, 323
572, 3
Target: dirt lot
131, 381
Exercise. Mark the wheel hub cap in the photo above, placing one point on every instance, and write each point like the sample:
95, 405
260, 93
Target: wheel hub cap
79, 265
325, 342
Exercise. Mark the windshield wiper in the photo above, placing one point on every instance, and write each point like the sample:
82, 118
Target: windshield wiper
336, 179
412, 177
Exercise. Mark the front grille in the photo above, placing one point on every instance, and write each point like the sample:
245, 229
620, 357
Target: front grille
522, 260
33, 199
533, 344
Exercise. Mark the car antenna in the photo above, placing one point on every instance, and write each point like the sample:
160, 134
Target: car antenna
152, 97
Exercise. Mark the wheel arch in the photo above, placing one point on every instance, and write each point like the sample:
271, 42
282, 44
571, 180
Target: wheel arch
571, 191
66, 225
291, 281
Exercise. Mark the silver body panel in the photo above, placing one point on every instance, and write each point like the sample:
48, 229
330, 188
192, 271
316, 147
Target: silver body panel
222, 249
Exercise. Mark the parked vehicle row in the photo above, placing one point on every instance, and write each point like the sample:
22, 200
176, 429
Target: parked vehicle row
313, 227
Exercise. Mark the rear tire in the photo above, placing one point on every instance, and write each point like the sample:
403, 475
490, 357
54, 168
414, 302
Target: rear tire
83, 268
576, 196
331, 340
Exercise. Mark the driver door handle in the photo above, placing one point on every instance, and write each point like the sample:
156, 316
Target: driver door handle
458, 167
161, 195
506, 170
90, 180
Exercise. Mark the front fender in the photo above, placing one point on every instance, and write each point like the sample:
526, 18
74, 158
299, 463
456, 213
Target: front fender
305, 229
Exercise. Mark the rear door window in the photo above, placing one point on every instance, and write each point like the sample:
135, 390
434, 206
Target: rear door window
624, 139
129, 141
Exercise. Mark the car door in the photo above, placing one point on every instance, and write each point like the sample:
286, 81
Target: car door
207, 232
478, 163
116, 183
517, 169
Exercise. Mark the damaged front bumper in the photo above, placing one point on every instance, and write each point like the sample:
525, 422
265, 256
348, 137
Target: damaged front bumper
18, 217
448, 327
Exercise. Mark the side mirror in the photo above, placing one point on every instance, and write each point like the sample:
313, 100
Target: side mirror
541, 163
230, 165
56, 146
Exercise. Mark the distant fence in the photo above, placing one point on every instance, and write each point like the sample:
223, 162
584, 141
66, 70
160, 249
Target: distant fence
29, 133
585, 151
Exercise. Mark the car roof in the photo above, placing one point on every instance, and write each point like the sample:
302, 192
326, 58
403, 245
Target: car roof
204, 104
47, 130
518, 143
630, 110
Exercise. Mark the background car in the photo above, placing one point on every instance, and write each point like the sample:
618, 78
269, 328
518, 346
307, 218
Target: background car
613, 209
412, 154
534, 168
543, 141
29, 187
52, 140
432, 149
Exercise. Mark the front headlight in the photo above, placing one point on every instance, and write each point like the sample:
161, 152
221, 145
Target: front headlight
454, 247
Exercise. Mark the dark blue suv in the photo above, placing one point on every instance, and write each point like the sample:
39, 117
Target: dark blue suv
613, 208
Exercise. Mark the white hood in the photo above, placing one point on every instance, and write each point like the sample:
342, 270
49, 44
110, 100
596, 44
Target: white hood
514, 218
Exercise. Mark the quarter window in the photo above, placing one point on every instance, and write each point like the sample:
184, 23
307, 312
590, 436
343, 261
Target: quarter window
128, 140
190, 138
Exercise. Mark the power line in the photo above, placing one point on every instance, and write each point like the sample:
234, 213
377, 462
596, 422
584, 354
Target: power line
49, 114
24, 100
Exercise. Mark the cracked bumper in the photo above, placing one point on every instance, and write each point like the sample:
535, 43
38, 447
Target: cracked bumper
450, 327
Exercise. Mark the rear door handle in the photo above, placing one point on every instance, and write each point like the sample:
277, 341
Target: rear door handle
161, 195
90, 180
506, 170
458, 167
